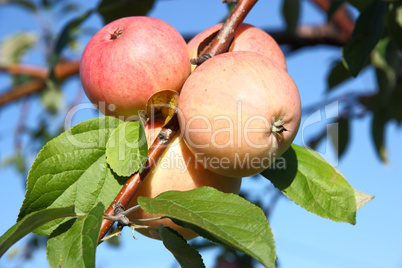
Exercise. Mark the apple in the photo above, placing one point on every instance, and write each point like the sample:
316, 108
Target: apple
239, 111
177, 169
130, 59
247, 38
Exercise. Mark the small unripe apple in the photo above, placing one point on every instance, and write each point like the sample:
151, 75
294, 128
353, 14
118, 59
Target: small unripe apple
177, 169
130, 59
238, 111
247, 38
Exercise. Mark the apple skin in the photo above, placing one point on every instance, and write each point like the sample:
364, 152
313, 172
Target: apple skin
233, 107
170, 174
247, 38
130, 59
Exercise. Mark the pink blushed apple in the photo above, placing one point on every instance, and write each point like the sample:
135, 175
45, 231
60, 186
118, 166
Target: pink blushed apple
130, 59
238, 111
247, 38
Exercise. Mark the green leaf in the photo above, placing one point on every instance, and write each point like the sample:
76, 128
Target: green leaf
14, 47
51, 97
23, 3
378, 131
231, 7
339, 133
29, 223
112, 10
69, 8
312, 183
73, 244
185, 255
337, 75
72, 169
394, 23
17, 160
228, 218
367, 32
127, 149
359, 4
290, 11
385, 58
66, 34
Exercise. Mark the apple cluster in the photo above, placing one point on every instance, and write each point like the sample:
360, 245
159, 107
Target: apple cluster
238, 111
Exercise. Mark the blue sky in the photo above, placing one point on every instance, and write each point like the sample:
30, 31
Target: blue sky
302, 238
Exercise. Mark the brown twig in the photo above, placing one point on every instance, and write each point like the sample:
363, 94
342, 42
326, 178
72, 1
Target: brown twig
221, 42
170, 129
133, 183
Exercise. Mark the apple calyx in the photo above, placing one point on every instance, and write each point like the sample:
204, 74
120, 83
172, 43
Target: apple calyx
116, 34
278, 127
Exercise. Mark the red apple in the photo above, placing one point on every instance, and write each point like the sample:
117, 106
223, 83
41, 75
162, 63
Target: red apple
238, 112
130, 59
247, 38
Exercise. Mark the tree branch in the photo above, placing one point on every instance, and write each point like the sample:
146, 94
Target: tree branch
22, 69
326, 34
63, 70
25, 89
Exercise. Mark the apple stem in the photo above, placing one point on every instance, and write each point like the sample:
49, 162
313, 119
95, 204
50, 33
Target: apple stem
221, 43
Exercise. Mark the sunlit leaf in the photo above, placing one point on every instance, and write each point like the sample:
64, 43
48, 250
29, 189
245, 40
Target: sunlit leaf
73, 244
29, 223
127, 148
312, 183
72, 170
226, 218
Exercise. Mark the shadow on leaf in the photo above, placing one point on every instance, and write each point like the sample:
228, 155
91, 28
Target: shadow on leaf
283, 171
